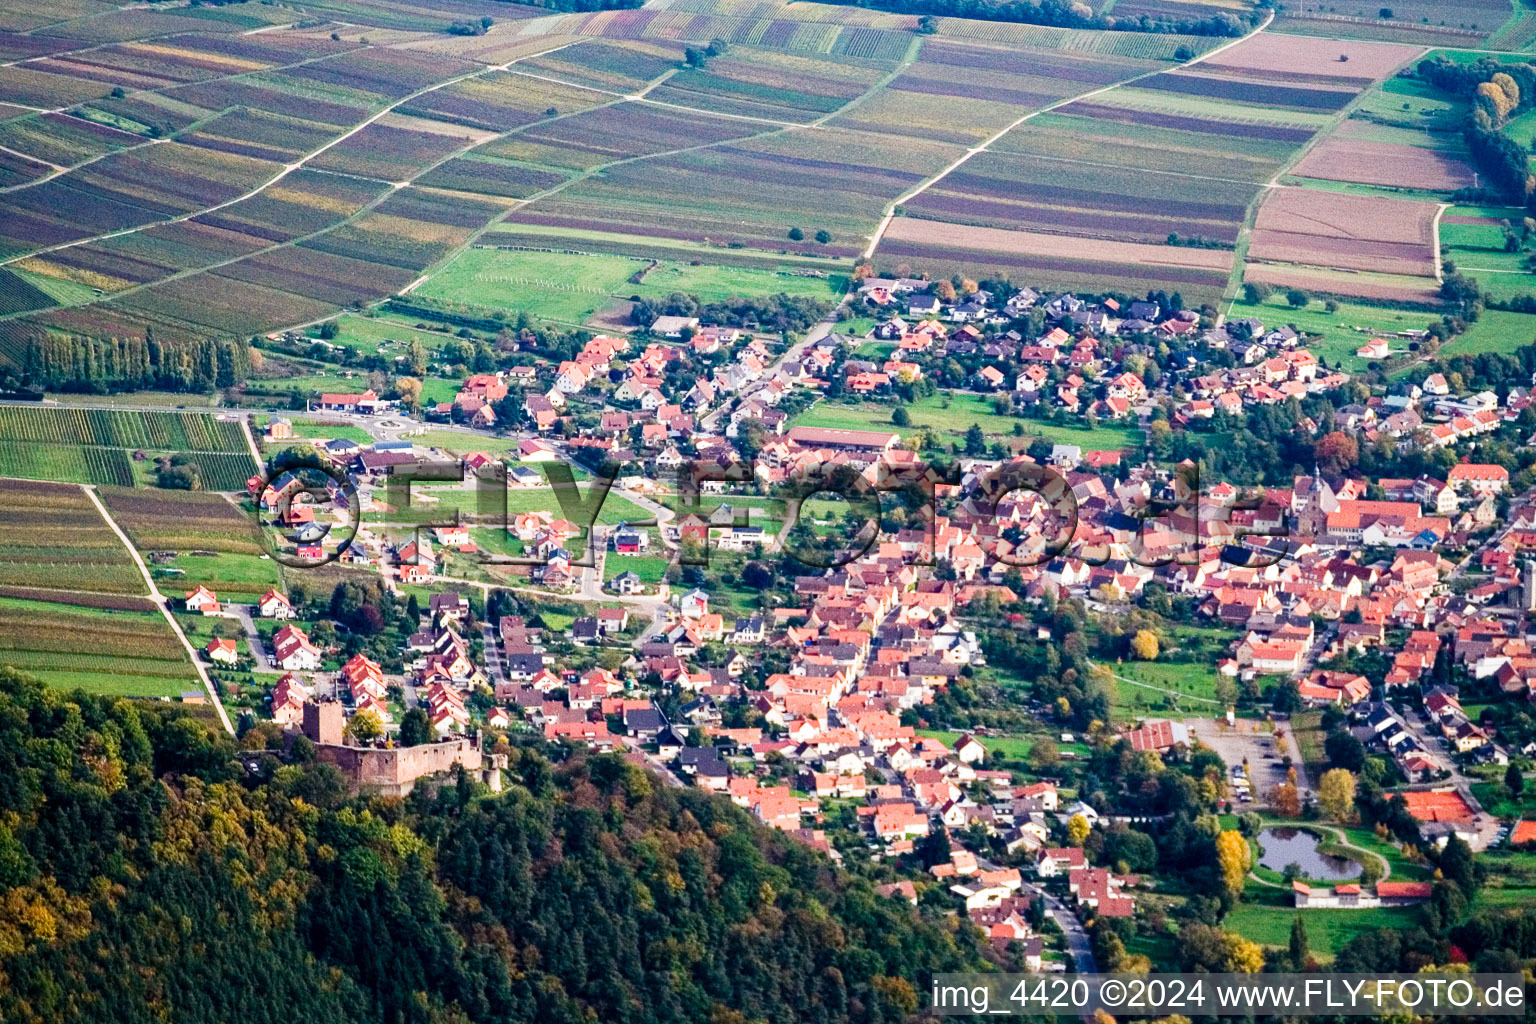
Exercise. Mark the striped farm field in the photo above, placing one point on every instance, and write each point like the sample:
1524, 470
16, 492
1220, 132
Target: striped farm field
182, 521
93, 446
1145, 46
1055, 261
52, 537
31, 460
117, 428
133, 653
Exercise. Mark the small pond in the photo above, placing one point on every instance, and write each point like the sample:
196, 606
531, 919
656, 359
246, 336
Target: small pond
1283, 846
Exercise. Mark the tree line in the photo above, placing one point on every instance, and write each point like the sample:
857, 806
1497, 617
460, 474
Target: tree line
70, 362
781, 312
1070, 14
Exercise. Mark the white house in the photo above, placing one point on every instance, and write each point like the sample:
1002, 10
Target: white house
293, 651
694, 604
222, 651
202, 600
274, 606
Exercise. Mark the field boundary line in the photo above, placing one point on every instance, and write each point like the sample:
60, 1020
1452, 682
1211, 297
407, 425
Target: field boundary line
146, 143
914, 50
584, 174
521, 204
29, 156
119, 42
571, 85
1144, 170
890, 211
165, 608
391, 189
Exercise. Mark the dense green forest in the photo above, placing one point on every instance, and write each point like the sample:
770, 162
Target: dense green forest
145, 875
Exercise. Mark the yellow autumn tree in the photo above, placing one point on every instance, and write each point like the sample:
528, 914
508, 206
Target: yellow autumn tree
1243, 956
896, 991
1509, 87
1286, 798
1234, 858
365, 725
1144, 645
1078, 829
1336, 794
409, 390
1498, 99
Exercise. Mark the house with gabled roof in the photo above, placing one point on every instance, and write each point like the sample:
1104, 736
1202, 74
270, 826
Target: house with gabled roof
202, 600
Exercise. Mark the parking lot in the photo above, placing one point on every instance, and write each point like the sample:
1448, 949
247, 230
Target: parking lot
1233, 743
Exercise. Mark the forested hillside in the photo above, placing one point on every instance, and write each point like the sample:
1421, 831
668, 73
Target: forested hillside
144, 877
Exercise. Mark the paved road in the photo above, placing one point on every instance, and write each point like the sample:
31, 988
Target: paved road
241, 613
494, 656
1076, 935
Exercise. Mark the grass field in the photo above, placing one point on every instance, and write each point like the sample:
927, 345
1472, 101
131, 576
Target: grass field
1413, 104
316, 429
1495, 331
369, 334
540, 237
1478, 252
1194, 680
713, 284
235, 577
553, 286
1265, 917
1511, 879
651, 569
433, 389
570, 288
1014, 748
950, 414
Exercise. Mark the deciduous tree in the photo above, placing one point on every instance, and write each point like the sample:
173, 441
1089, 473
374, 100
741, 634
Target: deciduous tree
1144, 645
1078, 829
1243, 956
1336, 794
1234, 857
364, 726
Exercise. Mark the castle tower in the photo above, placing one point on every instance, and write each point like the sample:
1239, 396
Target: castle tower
324, 722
